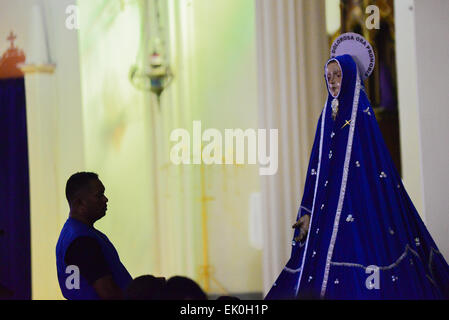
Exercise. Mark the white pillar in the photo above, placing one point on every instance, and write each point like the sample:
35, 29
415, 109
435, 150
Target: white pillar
422, 33
432, 53
44, 209
55, 135
408, 102
292, 49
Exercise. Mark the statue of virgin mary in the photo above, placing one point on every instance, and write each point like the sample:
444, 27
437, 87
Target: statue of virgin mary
358, 234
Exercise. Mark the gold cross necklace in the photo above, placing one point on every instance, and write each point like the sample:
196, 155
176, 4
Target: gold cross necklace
347, 122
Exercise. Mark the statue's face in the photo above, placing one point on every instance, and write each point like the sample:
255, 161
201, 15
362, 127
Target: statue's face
334, 77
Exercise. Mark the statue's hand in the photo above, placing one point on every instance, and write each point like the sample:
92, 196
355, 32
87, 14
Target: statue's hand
303, 225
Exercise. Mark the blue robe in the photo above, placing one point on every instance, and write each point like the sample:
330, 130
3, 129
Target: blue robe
366, 240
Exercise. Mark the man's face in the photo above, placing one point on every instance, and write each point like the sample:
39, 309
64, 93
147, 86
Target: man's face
334, 78
94, 200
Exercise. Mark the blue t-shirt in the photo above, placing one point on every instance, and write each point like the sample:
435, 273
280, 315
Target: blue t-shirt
76, 230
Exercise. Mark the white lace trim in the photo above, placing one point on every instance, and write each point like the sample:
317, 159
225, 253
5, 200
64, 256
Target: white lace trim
343, 185
390, 266
397, 262
323, 122
292, 270
306, 209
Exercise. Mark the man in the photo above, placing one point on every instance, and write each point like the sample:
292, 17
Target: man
83, 251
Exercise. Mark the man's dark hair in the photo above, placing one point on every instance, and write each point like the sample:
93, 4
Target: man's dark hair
77, 182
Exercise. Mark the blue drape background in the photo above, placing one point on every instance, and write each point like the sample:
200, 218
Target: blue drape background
15, 253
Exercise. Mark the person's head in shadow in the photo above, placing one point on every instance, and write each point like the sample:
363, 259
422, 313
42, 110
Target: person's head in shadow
85, 195
146, 287
227, 298
182, 288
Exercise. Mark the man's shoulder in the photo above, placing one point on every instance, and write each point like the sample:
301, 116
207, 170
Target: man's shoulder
72, 231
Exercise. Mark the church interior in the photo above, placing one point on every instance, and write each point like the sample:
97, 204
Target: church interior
102, 85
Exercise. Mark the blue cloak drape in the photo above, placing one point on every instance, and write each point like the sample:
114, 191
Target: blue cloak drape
15, 250
366, 240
